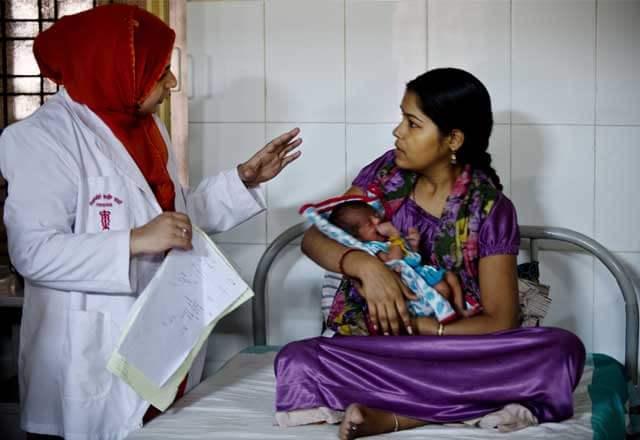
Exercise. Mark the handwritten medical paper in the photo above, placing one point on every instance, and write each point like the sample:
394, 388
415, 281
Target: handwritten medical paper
173, 317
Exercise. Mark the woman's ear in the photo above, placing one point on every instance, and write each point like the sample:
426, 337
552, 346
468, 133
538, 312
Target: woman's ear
455, 139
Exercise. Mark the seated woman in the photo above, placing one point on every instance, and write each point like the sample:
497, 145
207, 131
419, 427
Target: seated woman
439, 180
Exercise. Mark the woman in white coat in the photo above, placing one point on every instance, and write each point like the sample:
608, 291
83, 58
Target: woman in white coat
93, 206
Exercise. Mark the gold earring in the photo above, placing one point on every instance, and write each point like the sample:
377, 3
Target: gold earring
454, 159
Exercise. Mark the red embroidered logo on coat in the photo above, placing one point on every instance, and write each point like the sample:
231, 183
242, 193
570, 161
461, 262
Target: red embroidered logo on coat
105, 200
109, 208
105, 219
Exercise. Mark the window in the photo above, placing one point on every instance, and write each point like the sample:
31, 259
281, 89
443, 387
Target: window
22, 89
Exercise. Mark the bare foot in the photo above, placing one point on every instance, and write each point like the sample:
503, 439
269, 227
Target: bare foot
360, 421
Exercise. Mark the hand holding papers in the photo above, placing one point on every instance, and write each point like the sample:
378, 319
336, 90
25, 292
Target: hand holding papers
173, 317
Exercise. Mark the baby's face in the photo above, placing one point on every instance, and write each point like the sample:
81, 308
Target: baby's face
368, 229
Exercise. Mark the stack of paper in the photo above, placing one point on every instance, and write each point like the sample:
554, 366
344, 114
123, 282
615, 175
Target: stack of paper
173, 317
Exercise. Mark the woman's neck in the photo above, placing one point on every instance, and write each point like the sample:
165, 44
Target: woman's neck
433, 188
439, 180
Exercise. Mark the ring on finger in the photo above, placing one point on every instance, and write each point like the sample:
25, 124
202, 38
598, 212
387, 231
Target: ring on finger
185, 232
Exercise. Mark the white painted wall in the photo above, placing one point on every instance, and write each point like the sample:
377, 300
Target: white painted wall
563, 75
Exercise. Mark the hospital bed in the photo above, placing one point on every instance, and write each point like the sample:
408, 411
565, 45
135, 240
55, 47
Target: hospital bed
237, 402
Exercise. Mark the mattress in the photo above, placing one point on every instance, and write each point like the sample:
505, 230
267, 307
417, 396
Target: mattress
238, 402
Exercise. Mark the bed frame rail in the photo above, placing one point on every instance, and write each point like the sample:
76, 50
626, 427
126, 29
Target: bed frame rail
531, 233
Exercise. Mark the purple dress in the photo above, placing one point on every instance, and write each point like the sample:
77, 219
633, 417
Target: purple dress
431, 378
499, 233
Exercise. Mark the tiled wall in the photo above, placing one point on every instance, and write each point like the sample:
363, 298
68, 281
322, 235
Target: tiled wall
563, 75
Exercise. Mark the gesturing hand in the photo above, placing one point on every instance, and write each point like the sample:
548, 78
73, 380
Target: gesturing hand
167, 231
270, 160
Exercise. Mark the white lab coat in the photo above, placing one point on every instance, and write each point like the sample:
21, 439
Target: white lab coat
65, 171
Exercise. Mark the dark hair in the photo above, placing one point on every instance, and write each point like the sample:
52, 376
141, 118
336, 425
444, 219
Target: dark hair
340, 215
455, 99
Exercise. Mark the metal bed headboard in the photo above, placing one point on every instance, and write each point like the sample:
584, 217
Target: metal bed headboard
531, 233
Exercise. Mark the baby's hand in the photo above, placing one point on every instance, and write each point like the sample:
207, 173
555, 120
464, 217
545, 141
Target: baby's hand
443, 289
456, 295
383, 256
388, 230
394, 253
413, 238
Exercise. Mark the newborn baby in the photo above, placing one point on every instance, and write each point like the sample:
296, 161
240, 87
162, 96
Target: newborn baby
362, 221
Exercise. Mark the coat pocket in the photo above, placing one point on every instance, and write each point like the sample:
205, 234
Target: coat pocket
108, 204
88, 346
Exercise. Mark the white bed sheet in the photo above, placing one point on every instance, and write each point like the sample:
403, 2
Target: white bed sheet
238, 402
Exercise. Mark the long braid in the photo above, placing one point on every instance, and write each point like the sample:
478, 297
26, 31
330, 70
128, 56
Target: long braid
481, 160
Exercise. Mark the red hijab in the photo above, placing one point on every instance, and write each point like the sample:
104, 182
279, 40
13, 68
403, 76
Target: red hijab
109, 58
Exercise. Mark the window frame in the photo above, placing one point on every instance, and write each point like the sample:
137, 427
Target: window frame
5, 75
